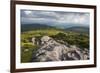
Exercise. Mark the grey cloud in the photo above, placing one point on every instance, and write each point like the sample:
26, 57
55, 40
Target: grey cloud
55, 17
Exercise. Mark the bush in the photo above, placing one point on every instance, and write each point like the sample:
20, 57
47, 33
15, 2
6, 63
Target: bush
81, 40
59, 36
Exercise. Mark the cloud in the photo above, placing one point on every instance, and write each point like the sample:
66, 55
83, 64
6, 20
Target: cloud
27, 12
34, 16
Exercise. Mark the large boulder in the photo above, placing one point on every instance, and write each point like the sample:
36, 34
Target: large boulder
51, 50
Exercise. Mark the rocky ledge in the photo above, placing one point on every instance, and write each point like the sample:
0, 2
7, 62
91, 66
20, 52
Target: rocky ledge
51, 50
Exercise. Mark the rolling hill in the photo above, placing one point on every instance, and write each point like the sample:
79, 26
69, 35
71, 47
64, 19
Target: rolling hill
36, 26
78, 29
29, 27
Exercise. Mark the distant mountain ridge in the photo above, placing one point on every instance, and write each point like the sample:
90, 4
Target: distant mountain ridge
78, 29
29, 27
69, 25
35, 26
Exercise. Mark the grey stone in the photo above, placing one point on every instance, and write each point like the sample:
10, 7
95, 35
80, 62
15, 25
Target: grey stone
51, 50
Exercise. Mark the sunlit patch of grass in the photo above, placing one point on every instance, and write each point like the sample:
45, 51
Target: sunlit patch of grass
27, 50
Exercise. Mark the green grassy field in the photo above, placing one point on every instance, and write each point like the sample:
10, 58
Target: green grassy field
72, 38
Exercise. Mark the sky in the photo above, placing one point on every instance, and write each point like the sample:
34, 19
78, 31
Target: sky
54, 17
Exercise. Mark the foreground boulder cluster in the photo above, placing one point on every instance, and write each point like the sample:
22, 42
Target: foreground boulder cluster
51, 50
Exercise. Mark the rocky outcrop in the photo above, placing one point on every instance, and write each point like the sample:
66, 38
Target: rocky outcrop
50, 50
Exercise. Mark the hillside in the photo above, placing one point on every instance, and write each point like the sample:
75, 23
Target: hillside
35, 26
81, 40
78, 29
31, 43
29, 27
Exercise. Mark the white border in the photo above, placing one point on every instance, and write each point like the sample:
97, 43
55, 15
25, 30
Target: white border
58, 63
